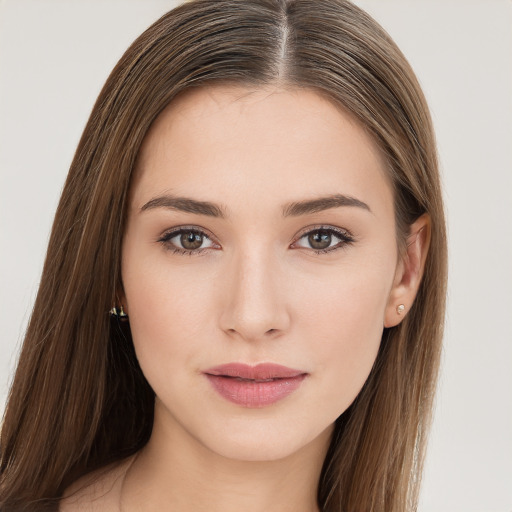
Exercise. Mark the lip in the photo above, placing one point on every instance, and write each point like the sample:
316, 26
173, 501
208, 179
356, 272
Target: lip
254, 386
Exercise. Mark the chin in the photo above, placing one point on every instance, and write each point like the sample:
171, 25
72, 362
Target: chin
263, 442
262, 451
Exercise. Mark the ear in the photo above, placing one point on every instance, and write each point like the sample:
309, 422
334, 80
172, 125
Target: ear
409, 272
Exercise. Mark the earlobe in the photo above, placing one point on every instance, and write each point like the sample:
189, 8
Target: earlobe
409, 272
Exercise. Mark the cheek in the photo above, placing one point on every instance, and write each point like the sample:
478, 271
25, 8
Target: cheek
169, 310
344, 323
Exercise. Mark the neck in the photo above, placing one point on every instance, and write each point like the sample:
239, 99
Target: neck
176, 472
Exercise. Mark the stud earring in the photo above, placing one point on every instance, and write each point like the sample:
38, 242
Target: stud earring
400, 309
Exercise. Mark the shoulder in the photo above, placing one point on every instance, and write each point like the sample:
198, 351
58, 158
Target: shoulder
96, 491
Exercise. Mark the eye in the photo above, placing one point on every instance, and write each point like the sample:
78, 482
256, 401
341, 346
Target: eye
324, 239
187, 241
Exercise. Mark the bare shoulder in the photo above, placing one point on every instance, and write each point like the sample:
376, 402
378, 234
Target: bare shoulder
96, 491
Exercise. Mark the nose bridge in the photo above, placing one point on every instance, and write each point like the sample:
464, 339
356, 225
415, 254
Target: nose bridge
256, 306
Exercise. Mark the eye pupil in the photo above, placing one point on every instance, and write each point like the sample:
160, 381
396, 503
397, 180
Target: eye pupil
320, 239
191, 240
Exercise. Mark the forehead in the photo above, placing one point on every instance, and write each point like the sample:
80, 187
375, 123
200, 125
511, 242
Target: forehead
270, 141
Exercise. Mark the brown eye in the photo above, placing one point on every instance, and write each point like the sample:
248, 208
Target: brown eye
320, 239
323, 240
191, 240
187, 241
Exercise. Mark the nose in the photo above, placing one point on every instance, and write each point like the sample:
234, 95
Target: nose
254, 305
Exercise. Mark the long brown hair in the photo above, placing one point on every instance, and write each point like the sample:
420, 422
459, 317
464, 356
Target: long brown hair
79, 399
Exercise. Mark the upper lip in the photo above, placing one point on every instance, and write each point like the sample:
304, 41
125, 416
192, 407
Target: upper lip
260, 371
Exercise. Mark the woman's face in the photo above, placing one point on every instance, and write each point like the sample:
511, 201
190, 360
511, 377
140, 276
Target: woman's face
260, 232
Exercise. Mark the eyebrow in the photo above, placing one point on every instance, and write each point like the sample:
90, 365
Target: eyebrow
185, 204
322, 203
294, 209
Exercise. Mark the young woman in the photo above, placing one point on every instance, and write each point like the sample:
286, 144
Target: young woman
243, 297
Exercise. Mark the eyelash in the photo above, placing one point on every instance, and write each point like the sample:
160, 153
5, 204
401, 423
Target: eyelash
345, 237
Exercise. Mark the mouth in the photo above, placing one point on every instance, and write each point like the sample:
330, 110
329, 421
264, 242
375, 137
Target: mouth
254, 386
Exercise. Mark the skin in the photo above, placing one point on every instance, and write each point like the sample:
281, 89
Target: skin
255, 291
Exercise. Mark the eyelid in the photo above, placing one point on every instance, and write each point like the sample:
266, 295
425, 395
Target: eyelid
179, 229
322, 227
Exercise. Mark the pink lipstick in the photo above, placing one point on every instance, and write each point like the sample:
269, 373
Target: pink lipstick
254, 386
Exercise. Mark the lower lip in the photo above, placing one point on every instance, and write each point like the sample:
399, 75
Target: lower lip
251, 393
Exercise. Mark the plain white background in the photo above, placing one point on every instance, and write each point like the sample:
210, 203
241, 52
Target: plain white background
55, 56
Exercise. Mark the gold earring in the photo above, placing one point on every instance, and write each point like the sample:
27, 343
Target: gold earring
119, 313
400, 309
